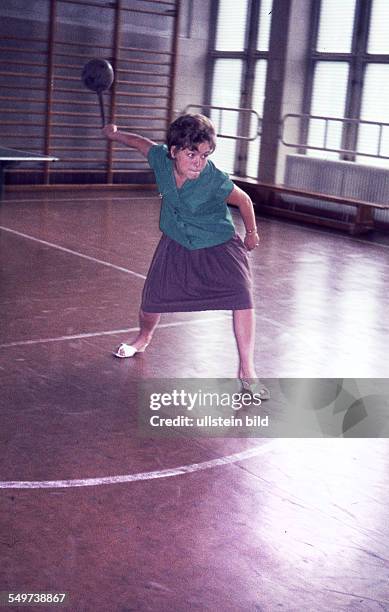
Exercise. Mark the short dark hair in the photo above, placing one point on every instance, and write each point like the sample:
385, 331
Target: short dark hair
188, 131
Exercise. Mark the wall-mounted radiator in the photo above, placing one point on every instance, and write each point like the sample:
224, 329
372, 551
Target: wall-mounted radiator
341, 178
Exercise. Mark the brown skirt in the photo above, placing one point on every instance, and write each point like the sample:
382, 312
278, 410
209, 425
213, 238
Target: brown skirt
183, 280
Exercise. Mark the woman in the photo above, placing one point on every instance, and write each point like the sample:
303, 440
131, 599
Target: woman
200, 262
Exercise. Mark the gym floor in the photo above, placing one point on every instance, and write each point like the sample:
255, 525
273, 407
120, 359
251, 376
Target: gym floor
121, 522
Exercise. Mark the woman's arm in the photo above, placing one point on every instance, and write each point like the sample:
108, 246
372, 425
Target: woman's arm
240, 199
141, 144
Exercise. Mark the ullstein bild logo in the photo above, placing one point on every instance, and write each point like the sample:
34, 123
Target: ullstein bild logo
209, 421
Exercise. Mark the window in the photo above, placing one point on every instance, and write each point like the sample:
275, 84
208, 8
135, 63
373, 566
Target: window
258, 100
335, 26
375, 105
328, 100
264, 25
226, 71
239, 63
231, 25
349, 78
378, 34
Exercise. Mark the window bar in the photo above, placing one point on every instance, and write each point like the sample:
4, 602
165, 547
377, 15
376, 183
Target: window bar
90, 3
116, 58
325, 133
173, 66
50, 85
379, 140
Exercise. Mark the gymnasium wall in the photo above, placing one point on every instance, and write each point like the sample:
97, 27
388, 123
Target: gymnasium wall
158, 50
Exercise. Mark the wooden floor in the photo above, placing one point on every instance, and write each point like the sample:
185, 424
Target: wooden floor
124, 522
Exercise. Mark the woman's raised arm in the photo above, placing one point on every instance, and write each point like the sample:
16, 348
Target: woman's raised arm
140, 143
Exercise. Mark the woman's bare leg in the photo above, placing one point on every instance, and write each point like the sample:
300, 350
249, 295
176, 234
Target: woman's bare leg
244, 330
148, 321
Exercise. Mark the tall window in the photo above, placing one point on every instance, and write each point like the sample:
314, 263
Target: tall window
349, 78
239, 61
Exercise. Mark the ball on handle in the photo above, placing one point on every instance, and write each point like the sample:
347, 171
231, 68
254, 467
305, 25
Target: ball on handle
97, 75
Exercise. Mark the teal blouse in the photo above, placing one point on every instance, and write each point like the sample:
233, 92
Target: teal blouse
196, 215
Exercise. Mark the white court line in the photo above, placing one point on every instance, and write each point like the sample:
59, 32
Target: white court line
168, 473
91, 199
65, 250
111, 332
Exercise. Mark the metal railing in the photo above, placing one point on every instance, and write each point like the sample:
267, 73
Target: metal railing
257, 128
345, 122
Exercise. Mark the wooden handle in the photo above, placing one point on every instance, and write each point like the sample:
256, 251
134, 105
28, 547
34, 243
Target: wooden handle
101, 102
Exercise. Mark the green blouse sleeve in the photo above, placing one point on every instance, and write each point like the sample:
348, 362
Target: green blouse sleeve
221, 183
157, 156
226, 186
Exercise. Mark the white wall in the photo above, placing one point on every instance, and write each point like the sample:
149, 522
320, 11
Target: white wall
294, 77
192, 53
285, 81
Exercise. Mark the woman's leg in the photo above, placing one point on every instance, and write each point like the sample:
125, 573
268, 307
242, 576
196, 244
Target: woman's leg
148, 321
244, 330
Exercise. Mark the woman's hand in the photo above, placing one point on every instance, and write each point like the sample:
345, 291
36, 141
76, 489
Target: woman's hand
251, 241
134, 141
110, 131
240, 199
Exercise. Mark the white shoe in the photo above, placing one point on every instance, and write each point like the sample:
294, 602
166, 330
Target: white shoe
256, 387
127, 350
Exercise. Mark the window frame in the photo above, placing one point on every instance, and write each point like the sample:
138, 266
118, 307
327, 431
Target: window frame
358, 59
249, 57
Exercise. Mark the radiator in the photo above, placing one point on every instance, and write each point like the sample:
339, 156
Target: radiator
338, 178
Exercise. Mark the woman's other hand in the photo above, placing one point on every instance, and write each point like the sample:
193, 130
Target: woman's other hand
251, 241
110, 131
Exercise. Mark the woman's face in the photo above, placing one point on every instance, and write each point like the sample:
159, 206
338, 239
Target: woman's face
189, 163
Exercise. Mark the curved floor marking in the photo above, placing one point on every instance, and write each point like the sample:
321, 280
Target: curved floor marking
168, 473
